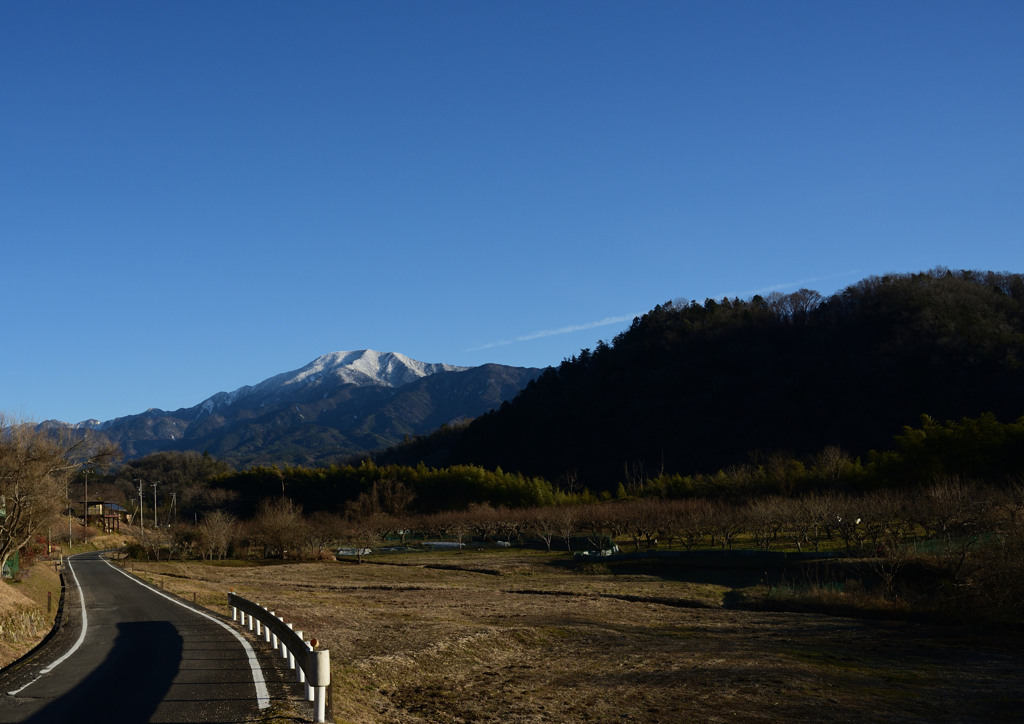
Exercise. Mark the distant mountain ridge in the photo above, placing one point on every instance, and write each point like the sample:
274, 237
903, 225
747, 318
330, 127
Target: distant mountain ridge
342, 403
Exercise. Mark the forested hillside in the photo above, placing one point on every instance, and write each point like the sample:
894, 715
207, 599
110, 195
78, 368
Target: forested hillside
692, 387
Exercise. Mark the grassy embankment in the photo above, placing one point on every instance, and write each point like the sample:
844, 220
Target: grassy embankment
524, 636
24, 620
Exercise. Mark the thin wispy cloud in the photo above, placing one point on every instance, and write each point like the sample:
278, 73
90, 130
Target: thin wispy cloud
561, 330
629, 317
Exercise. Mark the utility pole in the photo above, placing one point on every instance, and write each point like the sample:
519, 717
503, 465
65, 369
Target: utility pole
154, 504
86, 498
174, 507
141, 511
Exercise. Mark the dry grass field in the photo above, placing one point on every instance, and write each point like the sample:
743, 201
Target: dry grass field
523, 636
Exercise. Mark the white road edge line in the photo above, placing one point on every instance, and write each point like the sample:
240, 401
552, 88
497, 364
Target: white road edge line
73, 649
262, 695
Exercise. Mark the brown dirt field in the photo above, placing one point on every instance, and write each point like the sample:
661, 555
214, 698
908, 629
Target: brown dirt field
518, 636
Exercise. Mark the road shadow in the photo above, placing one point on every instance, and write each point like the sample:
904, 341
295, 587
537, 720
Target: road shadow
131, 682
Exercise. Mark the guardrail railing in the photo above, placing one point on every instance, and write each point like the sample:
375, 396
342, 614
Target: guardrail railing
312, 667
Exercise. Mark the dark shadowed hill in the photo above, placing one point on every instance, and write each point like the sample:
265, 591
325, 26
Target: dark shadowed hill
690, 387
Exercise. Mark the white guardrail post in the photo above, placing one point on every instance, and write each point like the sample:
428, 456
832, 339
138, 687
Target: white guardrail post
309, 687
285, 653
312, 667
291, 663
319, 678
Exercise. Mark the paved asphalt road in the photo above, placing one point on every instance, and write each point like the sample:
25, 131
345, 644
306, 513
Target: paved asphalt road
133, 655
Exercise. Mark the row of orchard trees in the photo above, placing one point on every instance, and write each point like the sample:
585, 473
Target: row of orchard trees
968, 538
952, 511
948, 511
279, 530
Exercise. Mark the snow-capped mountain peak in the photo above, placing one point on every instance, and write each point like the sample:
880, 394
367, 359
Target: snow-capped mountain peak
363, 368
367, 367
338, 405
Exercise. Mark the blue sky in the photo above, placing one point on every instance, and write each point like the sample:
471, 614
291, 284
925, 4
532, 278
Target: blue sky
196, 196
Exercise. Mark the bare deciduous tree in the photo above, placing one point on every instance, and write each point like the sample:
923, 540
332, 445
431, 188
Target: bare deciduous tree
643, 520
35, 467
510, 523
462, 527
438, 525
216, 532
726, 524
322, 530
482, 520
570, 480
846, 516
365, 530
278, 525
765, 518
543, 522
567, 523
694, 520
832, 464
595, 522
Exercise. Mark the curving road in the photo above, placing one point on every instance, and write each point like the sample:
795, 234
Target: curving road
131, 653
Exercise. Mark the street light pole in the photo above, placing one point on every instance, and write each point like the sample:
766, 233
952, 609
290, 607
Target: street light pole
141, 531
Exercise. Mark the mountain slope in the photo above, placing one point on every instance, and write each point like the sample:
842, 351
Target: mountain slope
362, 368
355, 421
344, 403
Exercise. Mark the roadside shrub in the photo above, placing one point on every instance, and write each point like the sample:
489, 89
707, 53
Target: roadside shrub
135, 551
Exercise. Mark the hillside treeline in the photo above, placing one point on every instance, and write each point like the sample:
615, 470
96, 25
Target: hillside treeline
695, 388
981, 449
332, 488
974, 448
189, 484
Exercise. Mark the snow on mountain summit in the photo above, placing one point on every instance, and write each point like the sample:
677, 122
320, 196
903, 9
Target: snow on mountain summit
362, 367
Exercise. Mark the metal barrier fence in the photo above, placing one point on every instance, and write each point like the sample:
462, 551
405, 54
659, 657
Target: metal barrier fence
312, 667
